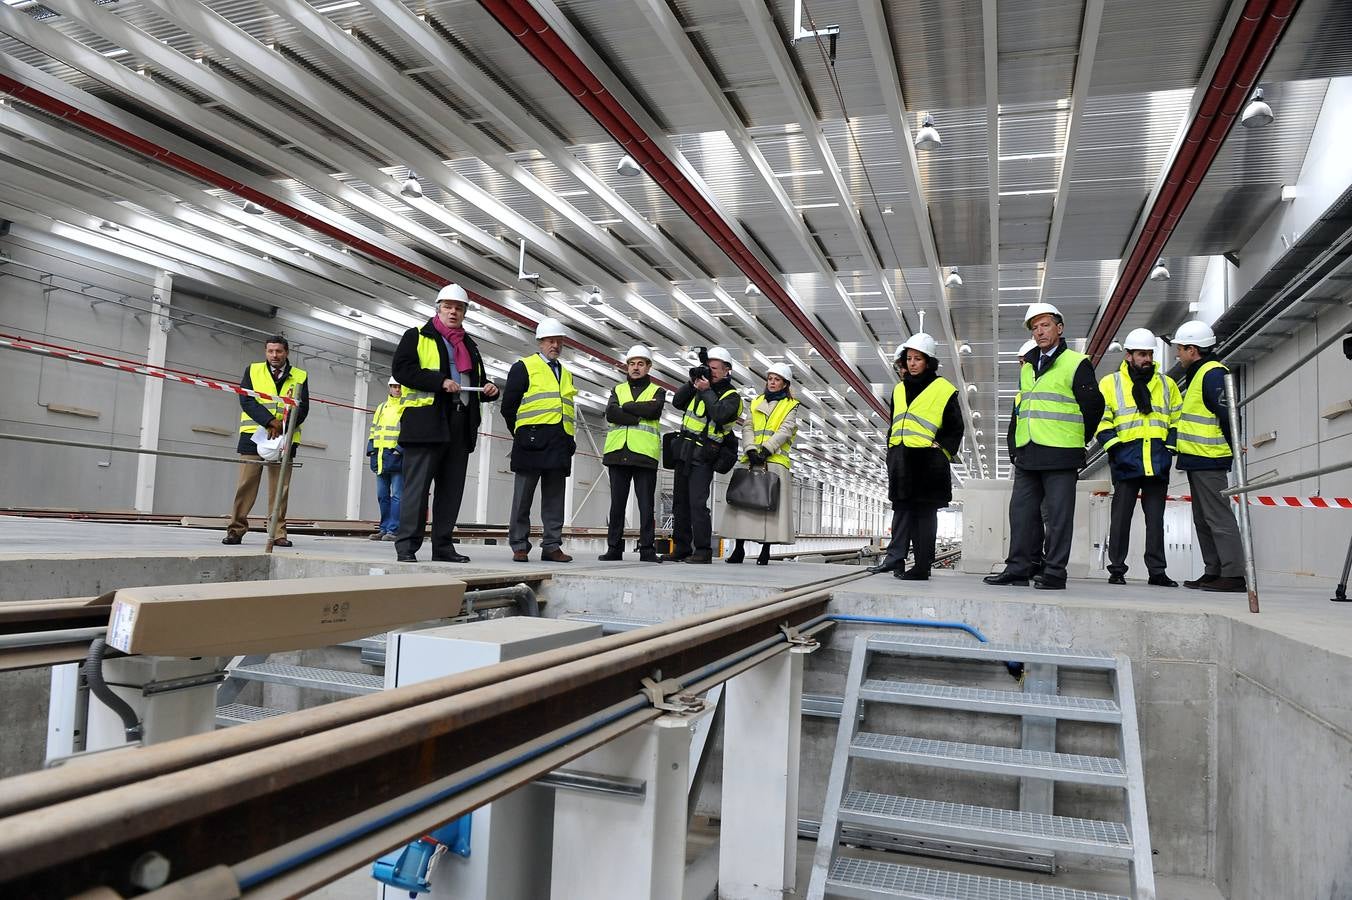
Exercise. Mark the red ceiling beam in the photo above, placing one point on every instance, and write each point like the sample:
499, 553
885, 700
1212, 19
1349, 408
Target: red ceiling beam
1260, 27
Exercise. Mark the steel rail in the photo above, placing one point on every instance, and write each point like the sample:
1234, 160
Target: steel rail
34, 439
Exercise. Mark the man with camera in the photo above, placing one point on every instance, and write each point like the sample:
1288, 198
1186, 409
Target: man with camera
711, 405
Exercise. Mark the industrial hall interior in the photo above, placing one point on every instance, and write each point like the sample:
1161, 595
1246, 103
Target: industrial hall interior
675, 449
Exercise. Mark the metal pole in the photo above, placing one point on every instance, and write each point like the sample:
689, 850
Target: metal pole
1245, 529
283, 477
1340, 593
1273, 482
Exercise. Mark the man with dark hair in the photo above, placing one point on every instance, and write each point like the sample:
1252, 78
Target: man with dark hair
276, 378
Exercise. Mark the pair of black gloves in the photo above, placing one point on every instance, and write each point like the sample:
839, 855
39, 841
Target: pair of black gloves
757, 455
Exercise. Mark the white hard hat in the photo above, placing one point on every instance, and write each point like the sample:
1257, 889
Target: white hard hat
922, 342
782, 370
720, 353
638, 351
549, 328
1039, 309
1196, 332
453, 291
1027, 345
392, 382
1139, 339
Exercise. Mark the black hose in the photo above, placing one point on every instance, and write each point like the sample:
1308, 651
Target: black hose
93, 673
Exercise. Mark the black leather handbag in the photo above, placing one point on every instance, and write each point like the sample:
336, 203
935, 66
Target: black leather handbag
755, 489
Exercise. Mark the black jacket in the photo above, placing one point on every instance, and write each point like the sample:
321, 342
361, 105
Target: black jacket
535, 448
721, 413
262, 415
920, 475
432, 424
1084, 387
1213, 398
632, 413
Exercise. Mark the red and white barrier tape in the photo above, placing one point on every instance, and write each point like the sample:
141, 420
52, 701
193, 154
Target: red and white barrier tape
1263, 500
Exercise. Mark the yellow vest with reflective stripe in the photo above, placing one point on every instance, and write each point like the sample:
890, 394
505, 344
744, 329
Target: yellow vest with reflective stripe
260, 376
384, 434
1048, 412
764, 426
548, 400
1199, 431
1128, 422
428, 358
695, 420
917, 424
644, 438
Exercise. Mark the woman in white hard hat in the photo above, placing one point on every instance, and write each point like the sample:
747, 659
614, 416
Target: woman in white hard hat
768, 438
926, 432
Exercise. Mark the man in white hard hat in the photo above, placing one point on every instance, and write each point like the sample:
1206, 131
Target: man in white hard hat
1058, 412
443, 378
1204, 445
1141, 409
537, 405
705, 443
387, 460
632, 453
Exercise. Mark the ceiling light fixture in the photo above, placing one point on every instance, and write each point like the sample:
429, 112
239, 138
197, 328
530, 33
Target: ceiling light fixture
1114, 347
954, 279
887, 210
109, 226
927, 138
1257, 113
411, 188
594, 298
965, 349
1160, 272
253, 208
751, 289
627, 167
972, 389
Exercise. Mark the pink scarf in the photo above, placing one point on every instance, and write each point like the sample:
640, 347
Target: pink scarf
456, 337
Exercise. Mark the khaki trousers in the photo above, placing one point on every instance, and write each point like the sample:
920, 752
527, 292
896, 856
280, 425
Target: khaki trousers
246, 492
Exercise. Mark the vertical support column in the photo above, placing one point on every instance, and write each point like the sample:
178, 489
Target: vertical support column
356, 451
762, 730
485, 446
152, 394
614, 847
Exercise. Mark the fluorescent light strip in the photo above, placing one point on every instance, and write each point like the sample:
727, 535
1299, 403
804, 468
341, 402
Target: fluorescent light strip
1033, 288
1054, 154
863, 293
1027, 193
815, 205
606, 221
334, 7
794, 172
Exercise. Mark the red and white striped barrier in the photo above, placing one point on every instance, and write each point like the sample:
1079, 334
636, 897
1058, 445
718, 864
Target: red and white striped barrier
1262, 500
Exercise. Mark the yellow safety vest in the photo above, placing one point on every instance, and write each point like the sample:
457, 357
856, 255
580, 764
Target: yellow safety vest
1048, 413
428, 358
1199, 432
644, 438
764, 426
260, 376
917, 425
384, 434
548, 400
1128, 423
695, 420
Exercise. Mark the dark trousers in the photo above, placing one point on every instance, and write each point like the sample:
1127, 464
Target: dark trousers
915, 527
1152, 491
645, 487
1214, 523
1041, 511
425, 465
553, 485
692, 526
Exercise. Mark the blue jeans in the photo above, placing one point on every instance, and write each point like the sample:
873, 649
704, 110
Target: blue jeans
388, 488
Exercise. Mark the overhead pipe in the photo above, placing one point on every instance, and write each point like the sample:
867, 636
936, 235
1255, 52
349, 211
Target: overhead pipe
548, 48
1261, 26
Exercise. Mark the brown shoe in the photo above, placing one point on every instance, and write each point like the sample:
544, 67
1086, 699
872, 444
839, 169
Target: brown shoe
555, 556
520, 556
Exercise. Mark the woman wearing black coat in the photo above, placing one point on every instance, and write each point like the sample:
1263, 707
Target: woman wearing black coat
925, 434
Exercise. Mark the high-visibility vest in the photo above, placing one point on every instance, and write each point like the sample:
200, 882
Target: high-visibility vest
1048, 413
429, 357
1199, 431
644, 438
548, 400
384, 434
1128, 423
916, 424
260, 376
764, 426
694, 420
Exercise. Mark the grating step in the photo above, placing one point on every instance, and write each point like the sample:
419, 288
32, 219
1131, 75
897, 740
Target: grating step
239, 713
1005, 827
867, 878
1065, 767
307, 676
952, 648
1011, 703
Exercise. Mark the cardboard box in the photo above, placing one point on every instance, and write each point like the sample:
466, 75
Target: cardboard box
250, 617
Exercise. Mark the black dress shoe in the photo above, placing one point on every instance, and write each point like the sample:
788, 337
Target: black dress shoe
1196, 583
232, 539
1117, 579
736, 556
1051, 584
912, 575
882, 567
649, 556
611, 556
1233, 585
450, 557
406, 557
674, 557
700, 559
1162, 580
1006, 577
282, 542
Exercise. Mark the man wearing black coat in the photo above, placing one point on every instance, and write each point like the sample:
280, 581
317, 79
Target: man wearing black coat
438, 365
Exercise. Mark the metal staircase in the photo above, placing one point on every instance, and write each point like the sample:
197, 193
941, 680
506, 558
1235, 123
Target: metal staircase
984, 834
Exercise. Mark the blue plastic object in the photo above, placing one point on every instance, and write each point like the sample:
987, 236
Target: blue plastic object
407, 868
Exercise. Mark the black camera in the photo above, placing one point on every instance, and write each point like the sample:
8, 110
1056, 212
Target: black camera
702, 370
1347, 346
